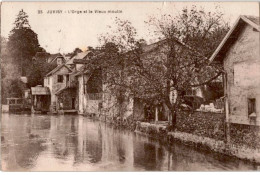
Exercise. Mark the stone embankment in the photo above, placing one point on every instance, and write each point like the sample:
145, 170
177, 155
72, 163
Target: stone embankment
199, 142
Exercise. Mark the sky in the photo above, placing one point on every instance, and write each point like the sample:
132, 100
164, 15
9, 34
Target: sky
63, 32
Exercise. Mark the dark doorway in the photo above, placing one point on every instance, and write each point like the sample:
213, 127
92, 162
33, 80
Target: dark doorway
73, 103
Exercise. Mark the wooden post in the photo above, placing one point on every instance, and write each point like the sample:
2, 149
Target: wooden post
156, 114
35, 101
227, 121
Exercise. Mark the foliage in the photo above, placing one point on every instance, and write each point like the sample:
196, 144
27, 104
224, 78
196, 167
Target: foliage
191, 38
16, 88
9, 75
4, 56
94, 84
201, 30
16, 59
23, 41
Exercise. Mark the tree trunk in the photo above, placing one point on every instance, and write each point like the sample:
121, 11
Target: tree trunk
174, 119
172, 113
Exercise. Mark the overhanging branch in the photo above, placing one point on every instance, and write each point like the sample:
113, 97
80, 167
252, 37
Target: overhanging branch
208, 81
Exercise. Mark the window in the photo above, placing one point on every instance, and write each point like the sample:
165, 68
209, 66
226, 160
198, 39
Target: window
60, 78
251, 107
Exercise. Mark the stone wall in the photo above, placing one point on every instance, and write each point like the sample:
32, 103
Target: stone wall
245, 135
241, 63
206, 124
205, 143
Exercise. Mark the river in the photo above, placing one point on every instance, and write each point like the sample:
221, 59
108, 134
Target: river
76, 143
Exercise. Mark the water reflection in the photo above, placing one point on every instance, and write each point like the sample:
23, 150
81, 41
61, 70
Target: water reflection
75, 143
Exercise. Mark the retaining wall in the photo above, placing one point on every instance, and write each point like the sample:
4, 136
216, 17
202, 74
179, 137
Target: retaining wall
206, 124
245, 135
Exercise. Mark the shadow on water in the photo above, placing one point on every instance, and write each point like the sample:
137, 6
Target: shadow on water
75, 143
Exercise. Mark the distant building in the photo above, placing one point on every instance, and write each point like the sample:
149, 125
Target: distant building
239, 52
62, 89
68, 85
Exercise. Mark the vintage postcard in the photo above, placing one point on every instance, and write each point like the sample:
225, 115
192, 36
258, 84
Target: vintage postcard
130, 86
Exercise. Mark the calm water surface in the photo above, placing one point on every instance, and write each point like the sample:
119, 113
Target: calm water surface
76, 143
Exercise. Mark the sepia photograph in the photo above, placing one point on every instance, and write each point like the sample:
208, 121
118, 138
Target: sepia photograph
130, 86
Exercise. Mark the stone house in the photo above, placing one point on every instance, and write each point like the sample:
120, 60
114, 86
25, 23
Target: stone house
62, 88
70, 86
239, 53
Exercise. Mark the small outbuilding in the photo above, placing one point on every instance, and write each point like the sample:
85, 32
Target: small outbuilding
41, 99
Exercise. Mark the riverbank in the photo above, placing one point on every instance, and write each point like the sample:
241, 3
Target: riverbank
199, 142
